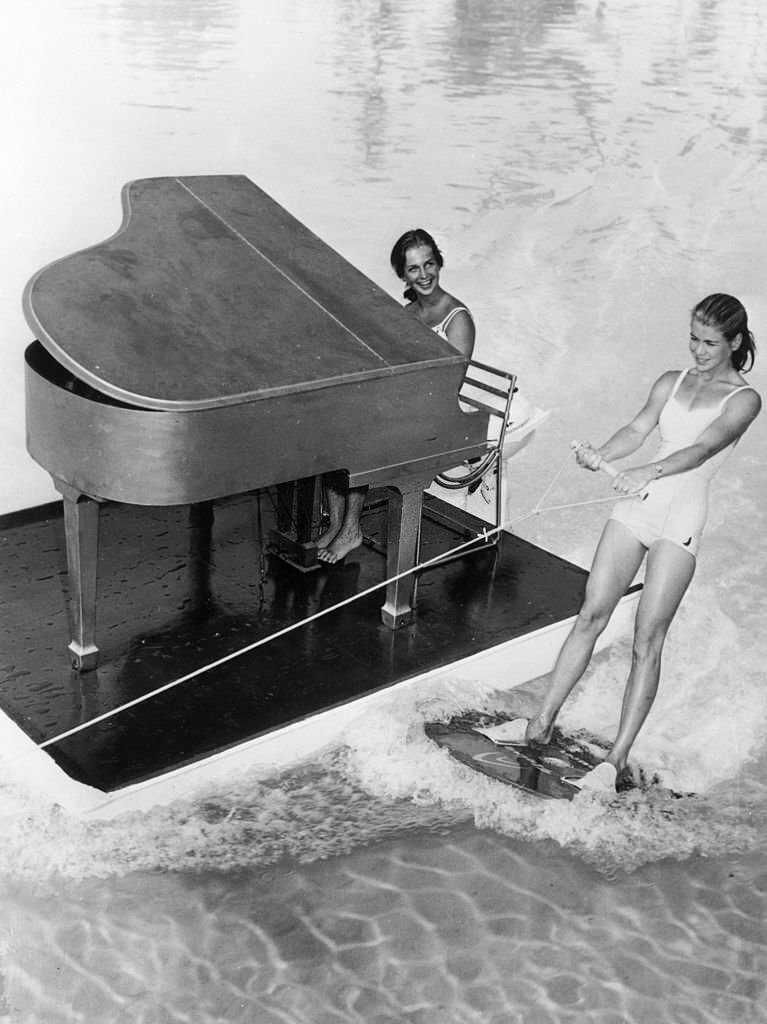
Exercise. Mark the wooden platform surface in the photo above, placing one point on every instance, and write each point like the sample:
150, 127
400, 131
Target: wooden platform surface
174, 596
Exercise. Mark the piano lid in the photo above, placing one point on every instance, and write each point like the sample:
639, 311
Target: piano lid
211, 294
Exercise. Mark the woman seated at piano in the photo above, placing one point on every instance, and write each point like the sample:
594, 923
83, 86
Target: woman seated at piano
417, 261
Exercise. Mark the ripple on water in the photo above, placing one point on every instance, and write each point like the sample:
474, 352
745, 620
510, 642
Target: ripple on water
463, 929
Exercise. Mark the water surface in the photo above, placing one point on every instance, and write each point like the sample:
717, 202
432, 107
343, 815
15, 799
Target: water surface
591, 169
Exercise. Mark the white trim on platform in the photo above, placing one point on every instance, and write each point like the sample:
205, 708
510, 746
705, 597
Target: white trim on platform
503, 667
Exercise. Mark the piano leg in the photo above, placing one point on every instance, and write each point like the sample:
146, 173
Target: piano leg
81, 527
285, 495
306, 489
296, 501
403, 528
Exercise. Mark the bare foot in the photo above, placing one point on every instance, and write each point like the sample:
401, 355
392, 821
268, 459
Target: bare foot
340, 546
328, 536
538, 732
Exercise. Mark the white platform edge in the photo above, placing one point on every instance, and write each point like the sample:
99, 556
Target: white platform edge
503, 667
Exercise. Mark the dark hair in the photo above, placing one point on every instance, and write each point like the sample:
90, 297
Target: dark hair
728, 315
411, 240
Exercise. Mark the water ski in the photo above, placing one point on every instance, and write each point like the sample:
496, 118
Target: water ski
548, 771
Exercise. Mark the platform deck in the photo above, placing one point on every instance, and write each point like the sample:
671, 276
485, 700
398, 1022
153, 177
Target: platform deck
175, 595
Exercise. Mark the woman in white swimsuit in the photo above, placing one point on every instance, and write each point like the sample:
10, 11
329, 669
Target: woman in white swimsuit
416, 259
701, 413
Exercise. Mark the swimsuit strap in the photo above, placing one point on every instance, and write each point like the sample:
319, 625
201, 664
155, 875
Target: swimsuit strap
681, 376
444, 324
743, 387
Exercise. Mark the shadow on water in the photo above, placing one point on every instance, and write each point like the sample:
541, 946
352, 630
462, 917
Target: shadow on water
175, 36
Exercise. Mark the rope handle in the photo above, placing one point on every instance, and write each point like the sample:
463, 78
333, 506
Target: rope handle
608, 468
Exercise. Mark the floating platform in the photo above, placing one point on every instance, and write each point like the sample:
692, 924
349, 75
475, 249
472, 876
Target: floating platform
181, 591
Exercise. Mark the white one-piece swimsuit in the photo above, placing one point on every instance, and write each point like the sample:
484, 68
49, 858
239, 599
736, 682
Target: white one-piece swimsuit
675, 507
442, 326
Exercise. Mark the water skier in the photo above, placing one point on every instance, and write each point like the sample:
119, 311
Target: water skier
701, 413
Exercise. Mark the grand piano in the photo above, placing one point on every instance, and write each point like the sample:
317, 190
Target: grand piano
215, 346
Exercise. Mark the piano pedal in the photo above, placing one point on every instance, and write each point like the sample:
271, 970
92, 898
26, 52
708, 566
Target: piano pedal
301, 556
373, 544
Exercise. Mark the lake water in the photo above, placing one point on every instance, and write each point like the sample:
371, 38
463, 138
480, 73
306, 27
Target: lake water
591, 169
